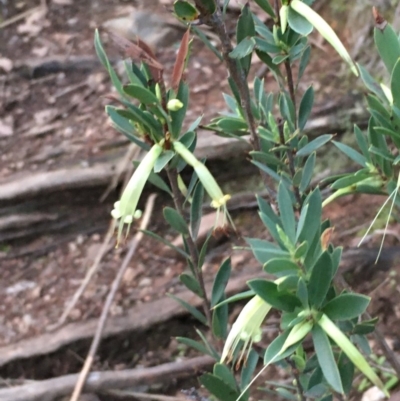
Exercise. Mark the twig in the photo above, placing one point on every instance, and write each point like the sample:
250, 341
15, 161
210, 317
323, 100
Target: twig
103, 250
100, 381
300, 390
143, 396
114, 287
20, 16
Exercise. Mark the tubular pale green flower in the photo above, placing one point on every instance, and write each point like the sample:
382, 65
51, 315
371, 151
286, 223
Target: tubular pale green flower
247, 328
218, 199
350, 350
125, 209
325, 30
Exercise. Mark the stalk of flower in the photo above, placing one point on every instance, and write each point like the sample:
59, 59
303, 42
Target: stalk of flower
325, 30
247, 328
350, 350
125, 209
218, 199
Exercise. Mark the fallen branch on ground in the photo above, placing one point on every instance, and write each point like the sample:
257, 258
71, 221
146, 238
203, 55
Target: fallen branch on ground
97, 381
140, 318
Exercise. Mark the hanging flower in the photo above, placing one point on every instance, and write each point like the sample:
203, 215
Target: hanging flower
125, 209
325, 30
246, 329
218, 199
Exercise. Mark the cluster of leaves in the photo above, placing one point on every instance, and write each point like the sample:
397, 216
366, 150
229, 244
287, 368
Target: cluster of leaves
300, 256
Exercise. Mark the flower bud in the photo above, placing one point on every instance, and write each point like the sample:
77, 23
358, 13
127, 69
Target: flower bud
174, 105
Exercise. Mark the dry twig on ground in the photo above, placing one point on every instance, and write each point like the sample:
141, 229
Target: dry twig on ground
114, 287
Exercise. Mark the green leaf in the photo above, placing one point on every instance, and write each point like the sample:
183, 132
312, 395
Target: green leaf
185, 11
209, 5
269, 292
388, 45
123, 125
351, 153
304, 60
280, 266
220, 321
248, 369
298, 23
326, 359
140, 93
286, 213
232, 124
346, 371
370, 83
266, 6
237, 297
177, 117
163, 160
244, 48
175, 220
245, 28
264, 250
306, 105
311, 217
314, 145
193, 311
362, 143
218, 388
191, 283
351, 179
346, 306
220, 282
287, 109
203, 250
206, 41
273, 174
307, 173
196, 209
101, 54
157, 181
165, 242
224, 373
134, 74
320, 280
194, 344
395, 82
302, 292
272, 353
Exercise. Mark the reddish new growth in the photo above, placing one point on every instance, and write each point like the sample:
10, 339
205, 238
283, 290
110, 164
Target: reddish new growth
380, 22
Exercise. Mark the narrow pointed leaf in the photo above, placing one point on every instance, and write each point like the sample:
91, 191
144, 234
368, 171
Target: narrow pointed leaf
326, 359
191, 283
193, 311
220, 282
314, 145
175, 220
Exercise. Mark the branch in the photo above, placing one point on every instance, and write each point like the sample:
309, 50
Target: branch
98, 381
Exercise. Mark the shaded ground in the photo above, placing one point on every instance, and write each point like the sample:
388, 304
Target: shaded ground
54, 117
